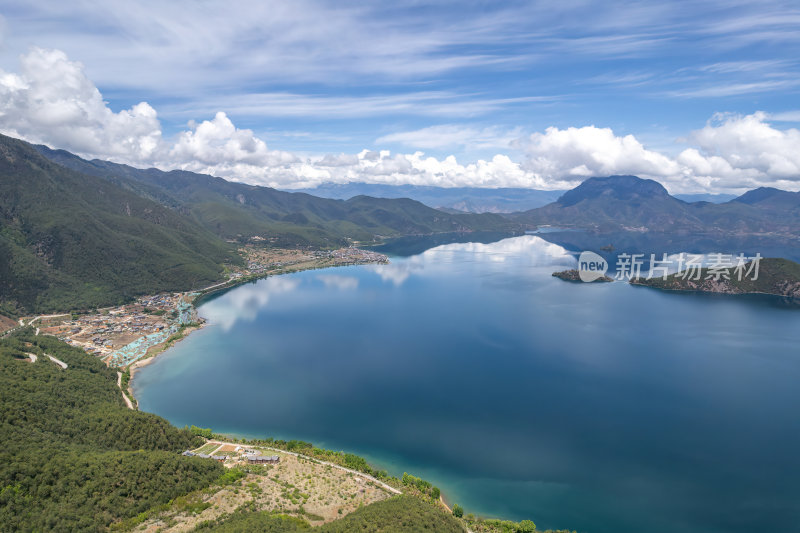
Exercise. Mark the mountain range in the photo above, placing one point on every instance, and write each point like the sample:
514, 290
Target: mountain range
629, 203
236, 211
69, 240
468, 199
76, 234
452, 199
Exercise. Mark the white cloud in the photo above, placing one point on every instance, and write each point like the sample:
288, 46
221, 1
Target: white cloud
217, 144
338, 160
733, 89
726, 67
453, 136
744, 151
786, 116
730, 153
51, 100
591, 151
420, 103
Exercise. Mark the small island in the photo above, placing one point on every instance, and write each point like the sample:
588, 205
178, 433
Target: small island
574, 275
779, 277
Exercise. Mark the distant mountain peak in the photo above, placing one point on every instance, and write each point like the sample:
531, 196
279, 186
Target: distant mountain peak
616, 187
766, 193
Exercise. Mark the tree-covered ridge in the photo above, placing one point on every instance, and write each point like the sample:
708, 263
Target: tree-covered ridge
780, 277
239, 211
72, 241
76, 234
73, 457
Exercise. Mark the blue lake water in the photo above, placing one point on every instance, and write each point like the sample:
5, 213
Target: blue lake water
602, 407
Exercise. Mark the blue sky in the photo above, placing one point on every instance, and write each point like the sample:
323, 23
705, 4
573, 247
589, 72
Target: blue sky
468, 80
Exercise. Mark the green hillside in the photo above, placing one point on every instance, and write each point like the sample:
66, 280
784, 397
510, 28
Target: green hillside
99, 233
239, 211
69, 240
73, 457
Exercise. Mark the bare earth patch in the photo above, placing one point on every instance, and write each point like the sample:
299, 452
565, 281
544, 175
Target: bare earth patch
7, 323
297, 486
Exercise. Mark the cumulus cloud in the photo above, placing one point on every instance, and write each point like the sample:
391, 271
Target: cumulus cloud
591, 151
217, 146
731, 153
749, 143
52, 101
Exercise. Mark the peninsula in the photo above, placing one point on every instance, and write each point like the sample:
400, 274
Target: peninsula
776, 276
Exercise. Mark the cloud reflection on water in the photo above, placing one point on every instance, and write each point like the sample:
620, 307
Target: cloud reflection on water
244, 302
334, 281
530, 250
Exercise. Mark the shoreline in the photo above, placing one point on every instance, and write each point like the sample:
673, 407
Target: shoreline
771, 295
134, 367
219, 289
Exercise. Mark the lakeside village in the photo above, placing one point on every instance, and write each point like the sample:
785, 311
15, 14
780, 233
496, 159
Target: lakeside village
129, 333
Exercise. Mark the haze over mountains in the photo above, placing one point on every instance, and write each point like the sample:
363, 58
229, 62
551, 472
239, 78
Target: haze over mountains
78, 233
469, 199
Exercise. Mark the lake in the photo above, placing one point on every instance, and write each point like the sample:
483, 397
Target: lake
594, 407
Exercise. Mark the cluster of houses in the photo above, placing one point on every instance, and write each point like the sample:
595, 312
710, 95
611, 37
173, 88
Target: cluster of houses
100, 331
256, 267
159, 301
250, 456
113, 325
352, 256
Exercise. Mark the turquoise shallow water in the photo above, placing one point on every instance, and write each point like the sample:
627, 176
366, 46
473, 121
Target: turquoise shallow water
604, 407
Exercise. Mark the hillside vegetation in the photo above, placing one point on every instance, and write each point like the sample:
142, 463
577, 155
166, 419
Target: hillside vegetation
780, 277
239, 211
72, 241
73, 457
78, 234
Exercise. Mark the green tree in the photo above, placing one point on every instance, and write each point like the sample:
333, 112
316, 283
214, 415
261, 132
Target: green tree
458, 512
